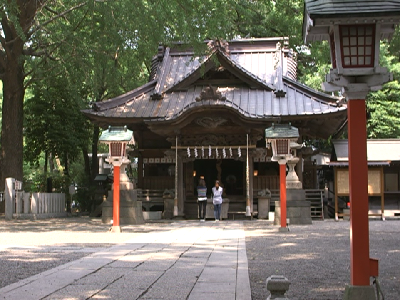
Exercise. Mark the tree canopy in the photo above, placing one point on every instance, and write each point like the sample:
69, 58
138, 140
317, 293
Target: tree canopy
72, 52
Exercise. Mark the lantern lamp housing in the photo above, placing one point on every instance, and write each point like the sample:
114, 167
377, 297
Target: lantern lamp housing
117, 137
354, 30
280, 136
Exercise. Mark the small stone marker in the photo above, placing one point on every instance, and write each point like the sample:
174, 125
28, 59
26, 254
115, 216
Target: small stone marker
277, 285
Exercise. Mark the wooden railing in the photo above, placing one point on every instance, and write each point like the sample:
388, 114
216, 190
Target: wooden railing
158, 182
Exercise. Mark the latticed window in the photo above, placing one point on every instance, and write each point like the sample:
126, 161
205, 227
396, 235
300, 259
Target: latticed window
358, 42
116, 149
282, 147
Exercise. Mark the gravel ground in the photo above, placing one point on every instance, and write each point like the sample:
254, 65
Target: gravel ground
316, 258
31, 247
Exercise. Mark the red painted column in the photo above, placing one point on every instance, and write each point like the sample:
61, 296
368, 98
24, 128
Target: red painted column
282, 177
116, 196
358, 179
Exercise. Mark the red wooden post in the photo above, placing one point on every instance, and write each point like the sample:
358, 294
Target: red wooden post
116, 197
358, 179
282, 177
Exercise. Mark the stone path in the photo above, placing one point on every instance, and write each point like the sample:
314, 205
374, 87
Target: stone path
187, 260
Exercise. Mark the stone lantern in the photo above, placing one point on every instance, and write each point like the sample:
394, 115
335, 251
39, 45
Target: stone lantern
354, 30
279, 137
117, 138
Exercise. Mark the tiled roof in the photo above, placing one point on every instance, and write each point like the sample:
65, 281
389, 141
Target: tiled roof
248, 86
252, 103
194, 71
345, 7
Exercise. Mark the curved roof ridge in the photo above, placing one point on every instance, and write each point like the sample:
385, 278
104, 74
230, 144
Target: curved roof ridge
124, 98
209, 58
299, 85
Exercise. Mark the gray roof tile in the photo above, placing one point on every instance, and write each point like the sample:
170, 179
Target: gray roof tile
253, 63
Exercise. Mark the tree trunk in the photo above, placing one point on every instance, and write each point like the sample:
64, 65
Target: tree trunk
87, 163
12, 121
95, 161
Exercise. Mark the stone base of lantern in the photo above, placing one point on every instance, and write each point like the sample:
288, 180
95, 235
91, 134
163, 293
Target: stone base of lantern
168, 208
298, 210
353, 292
130, 211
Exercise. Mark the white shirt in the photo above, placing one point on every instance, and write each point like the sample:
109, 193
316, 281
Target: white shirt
217, 195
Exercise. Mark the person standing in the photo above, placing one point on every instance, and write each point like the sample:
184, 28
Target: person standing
217, 200
202, 199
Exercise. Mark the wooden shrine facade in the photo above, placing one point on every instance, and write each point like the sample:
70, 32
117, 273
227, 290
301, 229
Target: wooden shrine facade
207, 116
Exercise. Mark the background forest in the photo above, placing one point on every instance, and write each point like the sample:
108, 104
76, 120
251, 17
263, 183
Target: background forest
59, 56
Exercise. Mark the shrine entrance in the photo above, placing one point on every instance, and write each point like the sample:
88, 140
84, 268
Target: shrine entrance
230, 173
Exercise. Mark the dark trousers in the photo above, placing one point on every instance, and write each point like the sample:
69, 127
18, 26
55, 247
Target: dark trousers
202, 209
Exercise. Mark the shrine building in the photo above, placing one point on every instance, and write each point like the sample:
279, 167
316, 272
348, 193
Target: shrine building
206, 116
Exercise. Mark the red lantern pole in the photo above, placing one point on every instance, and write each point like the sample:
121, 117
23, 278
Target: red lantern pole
360, 270
116, 227
282, 177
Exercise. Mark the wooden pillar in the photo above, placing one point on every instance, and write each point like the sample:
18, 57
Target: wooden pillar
181, 188
248, 210
282, 181
140, 183
251, 181
176, 178
358, 179
116, 227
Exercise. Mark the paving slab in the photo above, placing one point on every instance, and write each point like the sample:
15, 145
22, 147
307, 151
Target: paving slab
186, 260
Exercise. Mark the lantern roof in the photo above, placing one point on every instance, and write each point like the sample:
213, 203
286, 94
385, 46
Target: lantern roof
117, 134
282, 131
323, 13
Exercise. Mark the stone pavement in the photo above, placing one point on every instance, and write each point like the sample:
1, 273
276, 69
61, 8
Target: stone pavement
188, 260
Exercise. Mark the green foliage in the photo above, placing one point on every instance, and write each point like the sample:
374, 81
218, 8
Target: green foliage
38, 182
53, 121
383, 106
